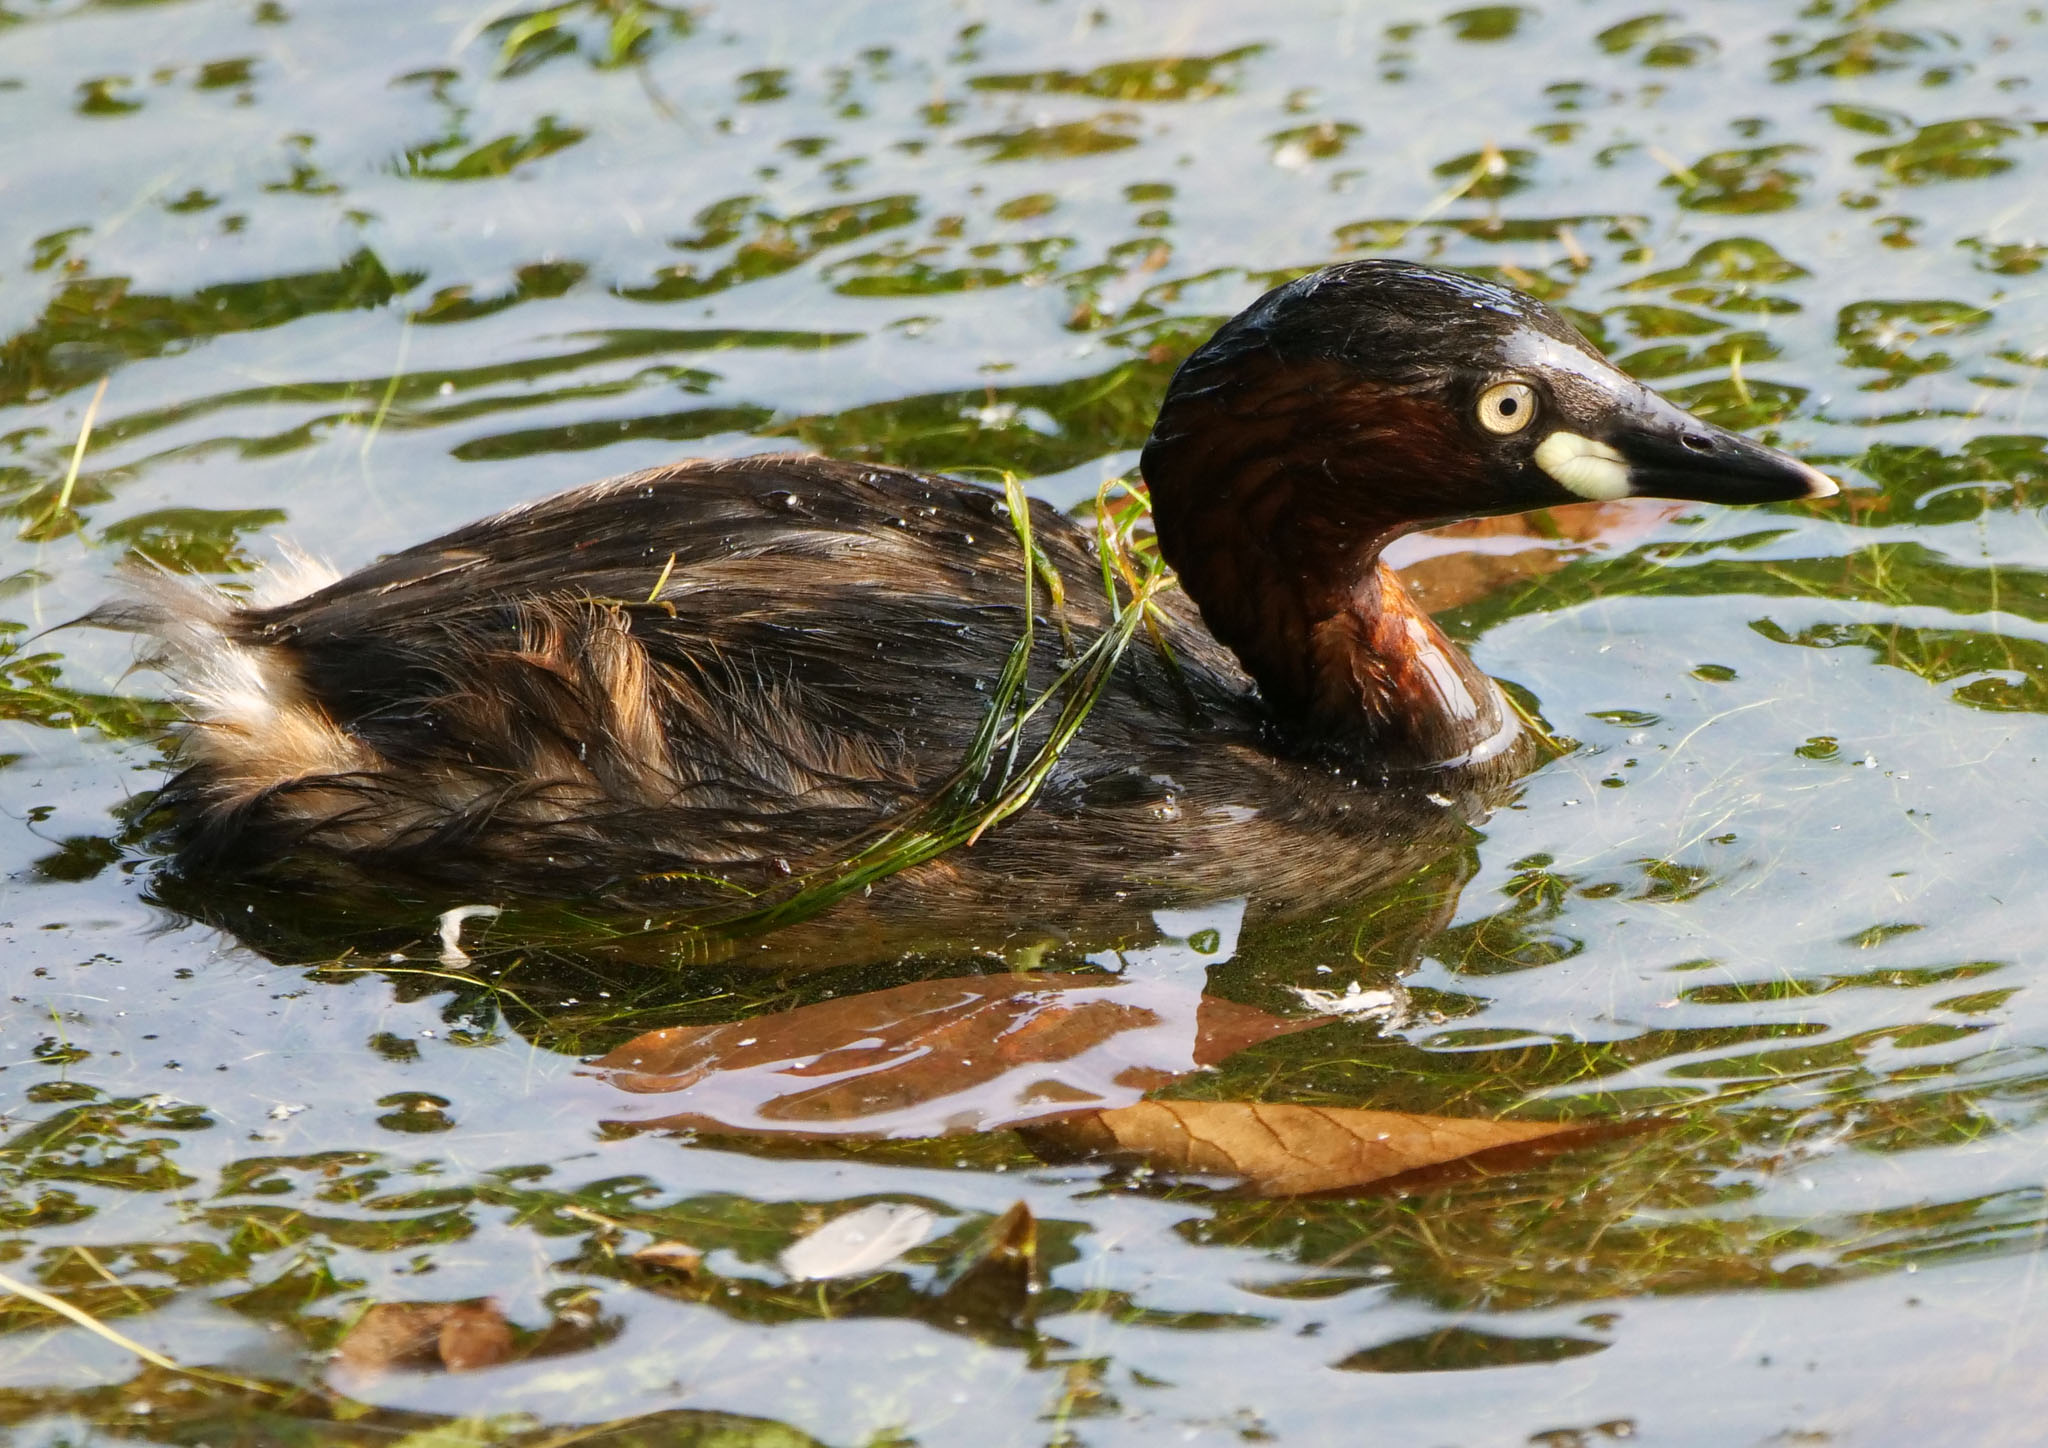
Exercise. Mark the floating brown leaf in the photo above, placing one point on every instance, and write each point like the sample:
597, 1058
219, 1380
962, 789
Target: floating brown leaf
1281, 1150
458, 1336
938, 1057
994, 1281
474, 1337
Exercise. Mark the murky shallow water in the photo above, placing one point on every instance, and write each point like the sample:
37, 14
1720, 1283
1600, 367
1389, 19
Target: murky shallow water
360, 272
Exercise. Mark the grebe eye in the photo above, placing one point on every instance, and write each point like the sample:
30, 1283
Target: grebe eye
1507, 407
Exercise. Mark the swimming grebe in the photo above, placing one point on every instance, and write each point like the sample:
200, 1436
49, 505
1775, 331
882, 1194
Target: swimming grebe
731, 668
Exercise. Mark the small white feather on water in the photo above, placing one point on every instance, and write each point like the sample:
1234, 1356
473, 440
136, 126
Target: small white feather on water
452, 952
862, 1240
1356, 1001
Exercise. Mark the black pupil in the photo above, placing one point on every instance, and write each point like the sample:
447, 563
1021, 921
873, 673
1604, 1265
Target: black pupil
1508, 406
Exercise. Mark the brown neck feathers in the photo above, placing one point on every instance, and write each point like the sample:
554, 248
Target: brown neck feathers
1266, 511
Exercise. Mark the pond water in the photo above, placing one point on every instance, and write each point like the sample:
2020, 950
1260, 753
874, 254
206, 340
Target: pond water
356, 273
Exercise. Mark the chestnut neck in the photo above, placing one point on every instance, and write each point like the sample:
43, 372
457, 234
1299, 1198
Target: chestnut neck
1275, 525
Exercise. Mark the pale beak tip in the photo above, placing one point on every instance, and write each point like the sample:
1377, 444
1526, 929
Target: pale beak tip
1820, 485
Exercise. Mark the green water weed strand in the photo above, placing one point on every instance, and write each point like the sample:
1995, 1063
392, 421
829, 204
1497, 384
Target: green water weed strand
995, 780
60, 508
52, 1303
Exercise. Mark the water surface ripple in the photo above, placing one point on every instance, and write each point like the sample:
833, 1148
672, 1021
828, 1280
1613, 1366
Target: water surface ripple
355, 273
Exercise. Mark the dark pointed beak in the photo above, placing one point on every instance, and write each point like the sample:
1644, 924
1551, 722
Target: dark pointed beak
1670, 453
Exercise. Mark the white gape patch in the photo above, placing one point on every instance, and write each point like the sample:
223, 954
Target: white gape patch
1593, 470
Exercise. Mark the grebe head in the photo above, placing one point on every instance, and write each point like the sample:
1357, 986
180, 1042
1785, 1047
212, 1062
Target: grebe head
1371, 398
1442, 396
